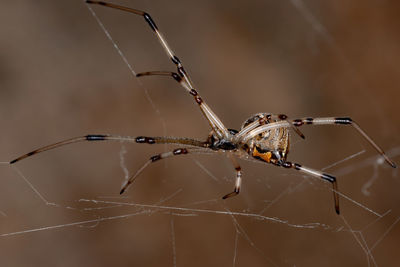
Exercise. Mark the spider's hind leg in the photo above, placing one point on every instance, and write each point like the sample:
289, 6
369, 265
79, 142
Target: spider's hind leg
238, 180
181, 76
155, 158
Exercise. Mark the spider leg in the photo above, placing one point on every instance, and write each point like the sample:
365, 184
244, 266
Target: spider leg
292, 125
317, 121
212, 118
108, 137
238, 180
262, 128
214, 121
343, 121
264, 121
155, 158
318, 174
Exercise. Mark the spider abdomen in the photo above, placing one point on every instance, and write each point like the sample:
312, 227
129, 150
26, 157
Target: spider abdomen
271, 145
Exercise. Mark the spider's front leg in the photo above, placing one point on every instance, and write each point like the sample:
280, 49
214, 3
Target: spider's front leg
318, 174
343, 121
316, 121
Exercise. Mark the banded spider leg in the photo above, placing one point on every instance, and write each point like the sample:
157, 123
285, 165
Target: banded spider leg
215, 123
191, 145
263, 136
318, 121
255, 128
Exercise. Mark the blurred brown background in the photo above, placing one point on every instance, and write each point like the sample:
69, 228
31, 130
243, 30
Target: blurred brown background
60, 77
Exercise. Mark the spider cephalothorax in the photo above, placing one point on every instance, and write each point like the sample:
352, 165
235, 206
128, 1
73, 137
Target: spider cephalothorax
216, 143
263, 136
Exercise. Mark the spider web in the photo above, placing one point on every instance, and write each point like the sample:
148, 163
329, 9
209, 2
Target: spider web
61, 74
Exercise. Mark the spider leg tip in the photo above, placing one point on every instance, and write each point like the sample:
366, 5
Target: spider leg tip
122, 191
390, 162
96, 2
234, 193
226, 196
13, 161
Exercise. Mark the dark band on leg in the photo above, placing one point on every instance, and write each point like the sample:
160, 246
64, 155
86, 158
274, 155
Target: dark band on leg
309, 120
96, 137
181, 71
176, 60
155, 158
176, 77
329, 178
193, 92
232, 194
343, 120
298, 122
179, 151
150, 21
282, 116
144, 139
297, 166
198, 99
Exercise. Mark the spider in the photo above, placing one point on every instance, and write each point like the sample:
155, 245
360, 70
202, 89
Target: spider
263, 137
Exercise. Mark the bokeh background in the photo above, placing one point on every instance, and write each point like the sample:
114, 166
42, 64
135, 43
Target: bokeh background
61, 77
